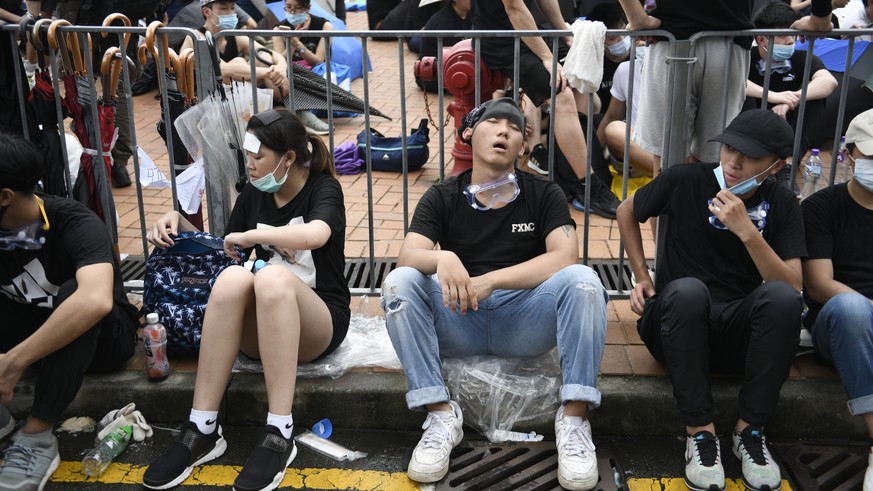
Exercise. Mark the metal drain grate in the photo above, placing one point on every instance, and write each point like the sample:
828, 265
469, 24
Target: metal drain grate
825, 467
357, 274
133, 268
515, 466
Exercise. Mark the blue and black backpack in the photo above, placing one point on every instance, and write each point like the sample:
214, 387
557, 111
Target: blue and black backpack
178, 281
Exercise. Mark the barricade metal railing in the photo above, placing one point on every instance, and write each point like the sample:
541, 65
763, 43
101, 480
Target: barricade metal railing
674, 147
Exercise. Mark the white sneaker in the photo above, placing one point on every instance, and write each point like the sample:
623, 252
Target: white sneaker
760, 471
703, 468
868, 477
577, 462
313, 124
430, 459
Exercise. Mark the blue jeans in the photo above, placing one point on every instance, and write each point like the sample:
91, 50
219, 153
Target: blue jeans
568, 311
843, 335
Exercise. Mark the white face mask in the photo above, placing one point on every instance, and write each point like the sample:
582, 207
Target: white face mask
864, 173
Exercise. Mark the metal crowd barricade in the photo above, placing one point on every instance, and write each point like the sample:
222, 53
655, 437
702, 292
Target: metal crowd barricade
674, 146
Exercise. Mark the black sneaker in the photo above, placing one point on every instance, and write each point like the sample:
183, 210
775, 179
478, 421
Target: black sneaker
603, 202
120, 177
538, 160
192, 449
265, 468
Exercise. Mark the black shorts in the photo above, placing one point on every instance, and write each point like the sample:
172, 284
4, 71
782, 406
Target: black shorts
340, 319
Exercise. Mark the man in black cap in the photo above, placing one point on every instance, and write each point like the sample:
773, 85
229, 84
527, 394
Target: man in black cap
727, 295
505, 281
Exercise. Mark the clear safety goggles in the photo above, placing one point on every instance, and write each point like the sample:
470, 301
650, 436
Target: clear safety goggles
485, 196
29, 237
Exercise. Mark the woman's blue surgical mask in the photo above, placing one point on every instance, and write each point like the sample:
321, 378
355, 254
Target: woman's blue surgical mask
268, 183
296, 19
745, 186
782, 52
620, 48
228, 21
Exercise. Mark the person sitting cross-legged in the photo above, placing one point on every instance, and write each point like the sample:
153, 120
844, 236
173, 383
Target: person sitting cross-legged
63, 305
727, 294
505, 282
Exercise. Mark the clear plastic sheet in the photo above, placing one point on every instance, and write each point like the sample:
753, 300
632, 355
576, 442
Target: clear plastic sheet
366, 345
499, 394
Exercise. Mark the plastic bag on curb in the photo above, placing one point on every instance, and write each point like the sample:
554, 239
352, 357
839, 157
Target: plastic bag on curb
497, 394
366, 345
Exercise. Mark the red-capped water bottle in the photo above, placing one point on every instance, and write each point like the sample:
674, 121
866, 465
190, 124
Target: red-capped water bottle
154, 339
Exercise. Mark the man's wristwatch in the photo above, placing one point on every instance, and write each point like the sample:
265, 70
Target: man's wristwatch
300, 50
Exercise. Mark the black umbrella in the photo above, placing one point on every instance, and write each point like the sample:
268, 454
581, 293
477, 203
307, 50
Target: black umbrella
310, 92
172, 76
42, 100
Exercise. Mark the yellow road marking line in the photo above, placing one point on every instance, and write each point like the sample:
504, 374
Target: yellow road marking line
678, 484
223, 475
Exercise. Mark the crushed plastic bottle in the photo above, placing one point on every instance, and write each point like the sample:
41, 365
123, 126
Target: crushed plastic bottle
99, 458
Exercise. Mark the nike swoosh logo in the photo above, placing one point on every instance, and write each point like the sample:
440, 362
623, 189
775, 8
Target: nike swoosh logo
210, 422
288, 427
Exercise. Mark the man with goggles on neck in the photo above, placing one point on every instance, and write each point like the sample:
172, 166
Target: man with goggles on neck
838, 276
63, 305
727, 294
505, 281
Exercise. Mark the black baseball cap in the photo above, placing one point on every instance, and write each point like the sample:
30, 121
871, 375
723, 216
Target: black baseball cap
757, 133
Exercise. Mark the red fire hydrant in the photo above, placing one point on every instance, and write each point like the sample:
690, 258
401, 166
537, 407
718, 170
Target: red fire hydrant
459, 77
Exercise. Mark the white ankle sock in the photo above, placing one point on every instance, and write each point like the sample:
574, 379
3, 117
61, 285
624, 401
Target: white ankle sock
205, 420
284, 423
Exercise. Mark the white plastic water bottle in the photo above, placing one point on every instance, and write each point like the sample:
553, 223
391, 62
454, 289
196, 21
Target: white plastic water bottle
99, 458
843, 172
154, 339
812, 173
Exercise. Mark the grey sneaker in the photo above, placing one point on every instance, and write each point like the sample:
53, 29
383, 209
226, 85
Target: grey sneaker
7, 422
868, 476
703, 469
577, 461
29, 462
430, 459
760, 471
313, 124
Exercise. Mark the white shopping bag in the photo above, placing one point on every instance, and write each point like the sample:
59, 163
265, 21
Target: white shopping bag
149, 174
190, 186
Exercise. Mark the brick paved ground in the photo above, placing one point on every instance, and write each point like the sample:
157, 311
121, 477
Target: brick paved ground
624, 354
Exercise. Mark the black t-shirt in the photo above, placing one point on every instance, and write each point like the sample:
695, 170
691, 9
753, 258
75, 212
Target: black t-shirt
839, 229
446, 19
12, 6
490, 15
791, 80
316, 23
76, 238
609, 68
695, 248
231, 48
320, 199
493, 239
683, 19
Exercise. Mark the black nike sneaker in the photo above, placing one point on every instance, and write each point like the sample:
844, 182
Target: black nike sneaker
192, 449
265, 468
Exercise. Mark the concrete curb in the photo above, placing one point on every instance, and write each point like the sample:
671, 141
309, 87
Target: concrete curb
808, 408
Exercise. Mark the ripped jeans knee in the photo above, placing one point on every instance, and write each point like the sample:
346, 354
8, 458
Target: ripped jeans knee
398, 286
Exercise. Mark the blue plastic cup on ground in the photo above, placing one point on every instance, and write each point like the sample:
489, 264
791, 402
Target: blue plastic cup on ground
323, 428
